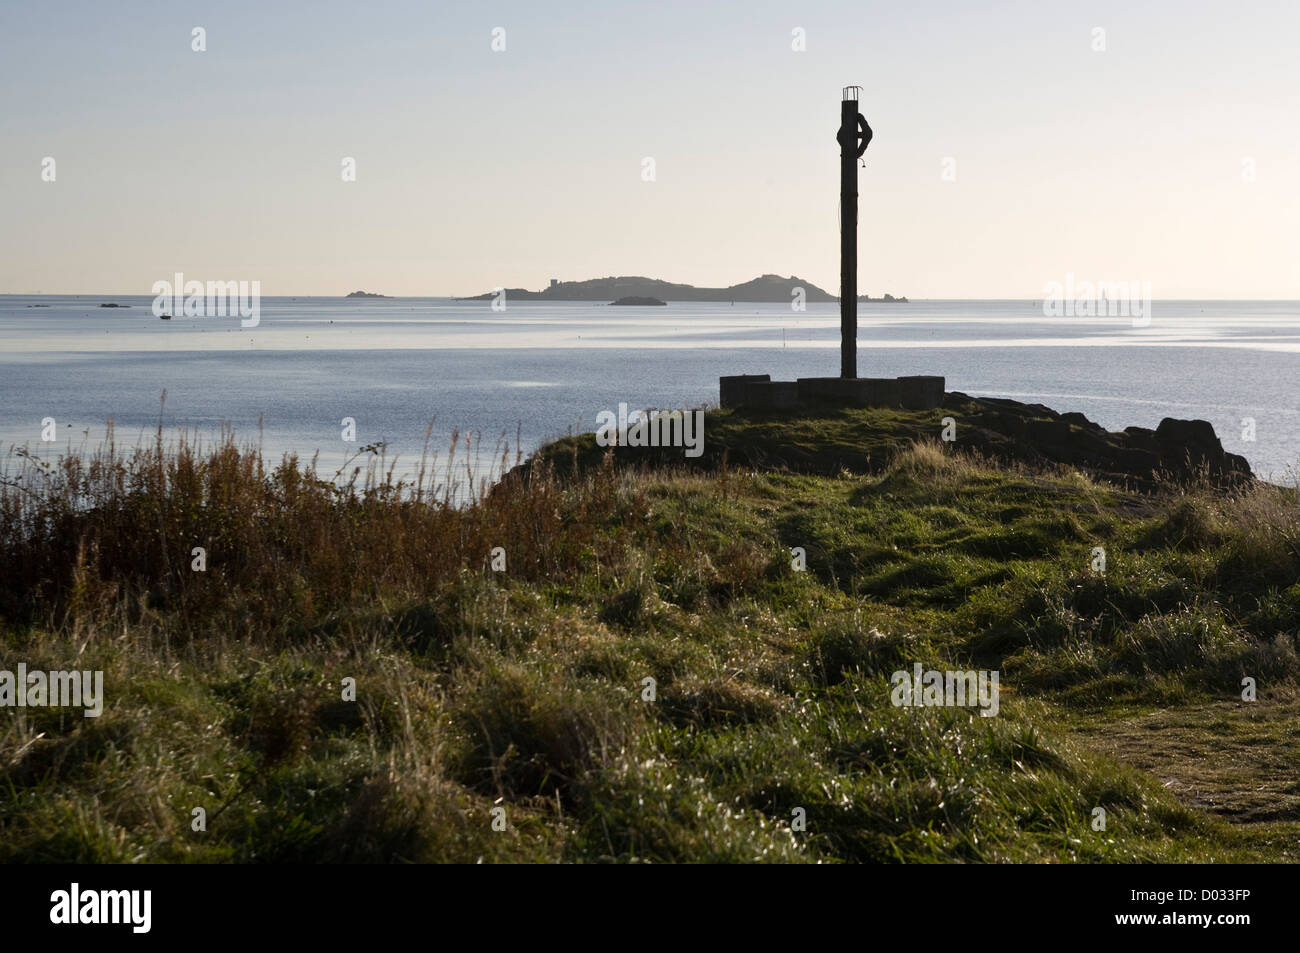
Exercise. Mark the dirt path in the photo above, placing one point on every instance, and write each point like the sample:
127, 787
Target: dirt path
1238, 760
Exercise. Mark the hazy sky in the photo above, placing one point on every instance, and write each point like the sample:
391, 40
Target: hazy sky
477, 168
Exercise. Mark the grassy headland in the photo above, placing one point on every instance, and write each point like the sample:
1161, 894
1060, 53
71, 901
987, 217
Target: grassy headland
523, 689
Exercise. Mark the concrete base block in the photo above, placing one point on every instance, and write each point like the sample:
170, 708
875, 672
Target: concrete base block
879, 392
732, 391
824, 389
921, 392
857, 391
771, 394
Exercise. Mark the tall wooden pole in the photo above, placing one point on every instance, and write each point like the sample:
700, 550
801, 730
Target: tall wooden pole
851, 126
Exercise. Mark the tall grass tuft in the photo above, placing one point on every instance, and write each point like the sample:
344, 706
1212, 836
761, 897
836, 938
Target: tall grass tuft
115, 534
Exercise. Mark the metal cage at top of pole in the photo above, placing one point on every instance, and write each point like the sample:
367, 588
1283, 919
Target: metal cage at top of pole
851, 93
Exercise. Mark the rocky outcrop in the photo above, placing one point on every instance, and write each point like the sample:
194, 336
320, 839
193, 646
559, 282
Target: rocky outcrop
778, 430
1177, 450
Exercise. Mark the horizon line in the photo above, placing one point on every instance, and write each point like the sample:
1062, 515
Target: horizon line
910, 299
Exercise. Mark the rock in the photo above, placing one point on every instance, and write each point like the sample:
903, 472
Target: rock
1191, 432
1177, 450
1079, 420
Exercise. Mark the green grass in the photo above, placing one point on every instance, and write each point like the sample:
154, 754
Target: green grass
524, 690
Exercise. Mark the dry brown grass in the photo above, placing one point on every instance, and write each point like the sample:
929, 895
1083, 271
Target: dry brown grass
113, 534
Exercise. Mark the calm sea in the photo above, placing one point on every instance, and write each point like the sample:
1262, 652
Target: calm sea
396, 365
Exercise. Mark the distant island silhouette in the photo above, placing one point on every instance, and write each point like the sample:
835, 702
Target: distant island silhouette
766, 288
635, 302
366, 294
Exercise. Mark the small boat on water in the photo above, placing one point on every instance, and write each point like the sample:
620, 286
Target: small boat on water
165, 317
